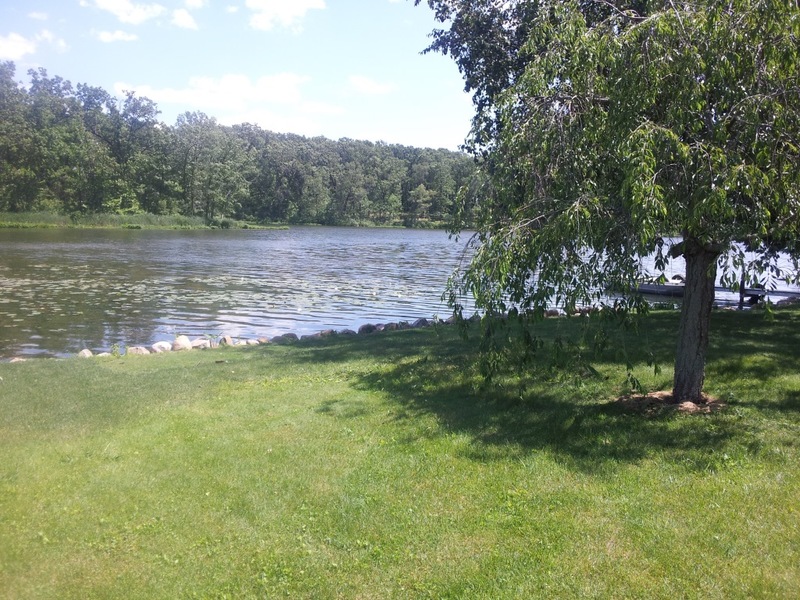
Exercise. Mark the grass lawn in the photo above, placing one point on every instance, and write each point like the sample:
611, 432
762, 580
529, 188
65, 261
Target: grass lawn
381, 467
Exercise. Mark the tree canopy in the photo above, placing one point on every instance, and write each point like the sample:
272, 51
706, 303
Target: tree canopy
613, 126
82, 150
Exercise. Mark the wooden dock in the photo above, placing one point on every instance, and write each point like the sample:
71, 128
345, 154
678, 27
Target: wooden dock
676, 290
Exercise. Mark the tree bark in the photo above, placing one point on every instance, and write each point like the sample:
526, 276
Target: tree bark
695, 324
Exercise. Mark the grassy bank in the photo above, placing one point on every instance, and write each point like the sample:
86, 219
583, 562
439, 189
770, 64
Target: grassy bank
40, 220
381, 467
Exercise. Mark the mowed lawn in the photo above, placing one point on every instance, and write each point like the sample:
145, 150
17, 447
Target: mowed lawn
383, 466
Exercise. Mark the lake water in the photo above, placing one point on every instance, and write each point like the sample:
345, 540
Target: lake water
62, 290
65, 290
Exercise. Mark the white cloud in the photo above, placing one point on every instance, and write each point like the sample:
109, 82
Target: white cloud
46, 36
231, 9
288, 14
183, 19
116, 36
365, 85
127, 11
195, 3
39, 16
13, 46
229, 92
275, 102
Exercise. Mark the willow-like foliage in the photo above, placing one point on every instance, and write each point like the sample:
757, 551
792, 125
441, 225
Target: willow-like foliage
633, 124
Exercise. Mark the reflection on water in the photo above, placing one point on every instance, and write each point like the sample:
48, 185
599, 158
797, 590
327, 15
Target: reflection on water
64, 290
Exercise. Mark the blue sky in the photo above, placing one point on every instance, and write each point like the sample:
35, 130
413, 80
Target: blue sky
337, 68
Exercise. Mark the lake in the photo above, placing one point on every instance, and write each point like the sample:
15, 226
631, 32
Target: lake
62, 290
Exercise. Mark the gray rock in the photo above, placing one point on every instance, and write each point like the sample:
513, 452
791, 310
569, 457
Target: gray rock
85, 353
226, 340
366, 328
201, 343
252, 342
104, 355
286, 338
160, 347
263, 340
181, 343
347, 332
420, 323
137, 350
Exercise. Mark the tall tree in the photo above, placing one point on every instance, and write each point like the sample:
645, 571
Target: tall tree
214, 166
75, 171
82, 150
19, 186
383, 181
128, 130
622, 122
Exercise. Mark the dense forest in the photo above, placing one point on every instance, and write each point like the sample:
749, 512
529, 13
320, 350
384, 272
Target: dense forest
78, 150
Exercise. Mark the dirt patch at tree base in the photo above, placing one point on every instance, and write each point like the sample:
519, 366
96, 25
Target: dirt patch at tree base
657, 402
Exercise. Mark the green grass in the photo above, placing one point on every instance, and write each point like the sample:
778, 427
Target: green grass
31, 220
382, 467
39, 220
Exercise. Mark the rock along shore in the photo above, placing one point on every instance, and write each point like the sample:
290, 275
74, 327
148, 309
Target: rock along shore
182, 343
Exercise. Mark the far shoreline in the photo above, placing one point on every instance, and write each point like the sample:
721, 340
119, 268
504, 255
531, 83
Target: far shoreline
48, 220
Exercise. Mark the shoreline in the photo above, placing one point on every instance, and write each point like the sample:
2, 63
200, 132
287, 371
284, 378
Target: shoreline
183, 343
46, 220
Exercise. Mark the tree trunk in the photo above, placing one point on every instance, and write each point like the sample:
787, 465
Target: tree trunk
693, 331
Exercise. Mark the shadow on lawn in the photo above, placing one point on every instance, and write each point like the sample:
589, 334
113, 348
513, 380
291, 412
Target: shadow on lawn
740, 349
578, 422
791, 402
590, 436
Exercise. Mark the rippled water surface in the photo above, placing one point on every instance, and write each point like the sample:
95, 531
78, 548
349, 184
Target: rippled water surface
64, 290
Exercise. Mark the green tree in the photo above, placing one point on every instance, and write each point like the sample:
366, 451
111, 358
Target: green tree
128, 129
75, 171
616, 123
383, 175
85, 150
213, 165
316, 196
152, 175
19, 186
419, 204
349, 200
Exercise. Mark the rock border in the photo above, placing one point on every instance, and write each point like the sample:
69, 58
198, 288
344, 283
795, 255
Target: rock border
183, 343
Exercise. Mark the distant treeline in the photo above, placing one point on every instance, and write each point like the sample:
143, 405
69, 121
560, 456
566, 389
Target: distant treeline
81, 150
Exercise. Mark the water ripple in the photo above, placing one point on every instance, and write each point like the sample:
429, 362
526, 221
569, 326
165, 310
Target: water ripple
62, 290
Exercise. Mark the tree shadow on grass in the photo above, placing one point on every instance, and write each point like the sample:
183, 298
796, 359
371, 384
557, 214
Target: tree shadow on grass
432, 373
423, 373
590, 436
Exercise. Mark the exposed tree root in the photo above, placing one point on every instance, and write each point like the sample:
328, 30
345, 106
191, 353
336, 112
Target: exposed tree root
657, 402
